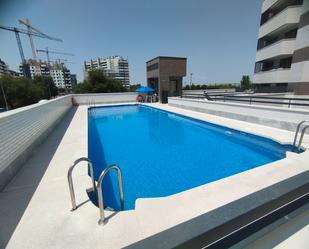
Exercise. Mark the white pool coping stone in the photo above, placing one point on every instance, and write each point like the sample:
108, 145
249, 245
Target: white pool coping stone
43, 220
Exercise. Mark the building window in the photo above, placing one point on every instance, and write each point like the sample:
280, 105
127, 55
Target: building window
152, 67
286, 62
268, 65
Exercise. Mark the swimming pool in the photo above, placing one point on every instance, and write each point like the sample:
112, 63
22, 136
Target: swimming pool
162, 153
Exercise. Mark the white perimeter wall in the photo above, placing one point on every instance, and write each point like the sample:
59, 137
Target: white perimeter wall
104, 98
278, 117
21, 128
24, 128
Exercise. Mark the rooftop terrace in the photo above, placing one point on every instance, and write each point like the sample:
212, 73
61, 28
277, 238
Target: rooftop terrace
35, 203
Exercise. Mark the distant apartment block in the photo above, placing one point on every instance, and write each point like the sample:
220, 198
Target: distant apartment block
282, 58
73, 80
34, 68
4, 69
114, 66
60, 74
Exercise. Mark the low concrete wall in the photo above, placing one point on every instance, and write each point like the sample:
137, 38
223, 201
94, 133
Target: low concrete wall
24, 128
278, 117
104, 98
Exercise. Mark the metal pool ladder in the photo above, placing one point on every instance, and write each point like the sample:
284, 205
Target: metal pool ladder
91, 103
70, 180
103, 220
302, 125
97, 188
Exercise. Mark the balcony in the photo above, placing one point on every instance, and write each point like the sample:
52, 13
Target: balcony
288, 16
280, 75
279, 48
267, 4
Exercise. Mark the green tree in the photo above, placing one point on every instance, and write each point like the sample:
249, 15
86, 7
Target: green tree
210, 86
98, 82
245, 83
132, 88
19, 91
47, 86
84, 87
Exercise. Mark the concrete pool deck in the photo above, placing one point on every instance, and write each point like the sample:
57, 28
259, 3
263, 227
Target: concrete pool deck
35, 205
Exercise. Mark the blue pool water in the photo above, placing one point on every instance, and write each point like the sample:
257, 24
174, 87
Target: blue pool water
162, 153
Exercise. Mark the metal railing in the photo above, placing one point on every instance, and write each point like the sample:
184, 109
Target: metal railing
91, 103
70, 180
304, 128
252, 99
103, 220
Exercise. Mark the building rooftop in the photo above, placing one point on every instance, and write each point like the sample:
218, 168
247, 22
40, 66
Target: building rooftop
167, 58
35, 205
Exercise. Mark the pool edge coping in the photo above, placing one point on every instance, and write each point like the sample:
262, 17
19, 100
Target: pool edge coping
289, 165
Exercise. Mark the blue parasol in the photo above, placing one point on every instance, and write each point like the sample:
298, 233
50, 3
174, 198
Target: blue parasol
144, 90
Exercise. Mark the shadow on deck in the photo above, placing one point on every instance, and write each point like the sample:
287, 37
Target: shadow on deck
16, 196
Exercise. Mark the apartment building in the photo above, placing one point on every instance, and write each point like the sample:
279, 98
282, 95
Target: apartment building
34, 68
4, 69
73, 80
60, 74
114, 66
282, 58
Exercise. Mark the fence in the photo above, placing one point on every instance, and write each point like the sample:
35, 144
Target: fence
280, 101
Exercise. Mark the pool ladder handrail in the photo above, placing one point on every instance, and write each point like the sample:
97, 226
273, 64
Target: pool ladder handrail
103, 220
70, 180
303, 130
91, 103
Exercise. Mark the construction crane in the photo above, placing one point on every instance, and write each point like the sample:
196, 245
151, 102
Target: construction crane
23, 31
59, 61
52, 52
31, 29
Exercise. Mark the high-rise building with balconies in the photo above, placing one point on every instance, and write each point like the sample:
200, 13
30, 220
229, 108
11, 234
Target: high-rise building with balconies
34, 68
3, 67
60, 74
5, 70
114, 66
282, 58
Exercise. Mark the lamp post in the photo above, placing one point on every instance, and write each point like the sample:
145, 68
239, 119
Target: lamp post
191, 81
4, 97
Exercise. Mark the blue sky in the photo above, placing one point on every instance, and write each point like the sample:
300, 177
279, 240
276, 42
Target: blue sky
218, 37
